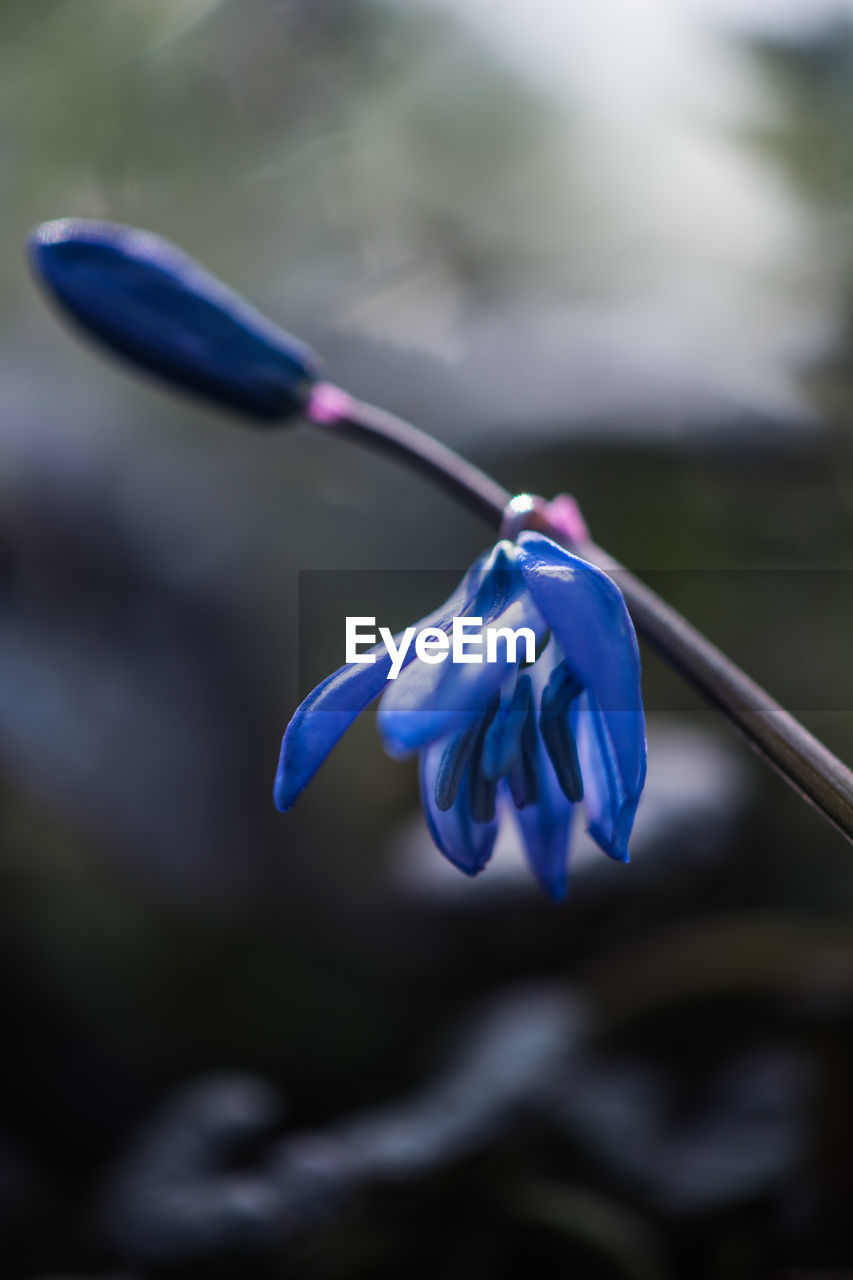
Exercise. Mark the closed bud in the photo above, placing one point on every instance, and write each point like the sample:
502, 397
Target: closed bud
155, 306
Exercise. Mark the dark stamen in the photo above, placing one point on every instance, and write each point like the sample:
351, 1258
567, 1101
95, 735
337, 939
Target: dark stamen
453, 764
482, 791
556, 728
523, 778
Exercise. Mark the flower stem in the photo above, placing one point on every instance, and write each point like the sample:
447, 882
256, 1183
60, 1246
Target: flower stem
804, 762
341, 414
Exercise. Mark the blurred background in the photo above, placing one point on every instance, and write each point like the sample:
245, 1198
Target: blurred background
600, 248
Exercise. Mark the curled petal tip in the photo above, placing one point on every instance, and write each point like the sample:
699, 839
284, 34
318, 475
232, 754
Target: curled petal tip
466, 870
152, 304
617, 850
281, 796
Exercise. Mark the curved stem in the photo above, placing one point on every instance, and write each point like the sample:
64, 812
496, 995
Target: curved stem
804, 762
343, 415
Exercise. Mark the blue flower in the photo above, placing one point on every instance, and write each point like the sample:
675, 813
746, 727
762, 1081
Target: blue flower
501, 737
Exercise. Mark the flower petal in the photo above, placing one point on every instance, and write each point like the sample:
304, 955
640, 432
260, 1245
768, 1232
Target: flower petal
546, 829
592, 626
464, 842
430, 701
319, 722
503, 739
329, 710
610, 809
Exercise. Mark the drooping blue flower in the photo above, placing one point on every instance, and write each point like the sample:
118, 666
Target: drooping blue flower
154, 305
505, 737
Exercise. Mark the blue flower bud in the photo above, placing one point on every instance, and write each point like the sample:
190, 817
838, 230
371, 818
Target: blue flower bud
155, 306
